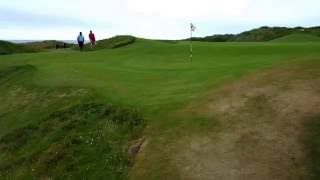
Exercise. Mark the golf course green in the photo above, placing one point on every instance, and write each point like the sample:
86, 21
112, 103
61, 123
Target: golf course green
122, 113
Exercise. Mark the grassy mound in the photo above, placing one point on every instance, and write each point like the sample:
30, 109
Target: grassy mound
83, 141
61, 132
50, 44
11, 48
115, 42
298, 38
111, 43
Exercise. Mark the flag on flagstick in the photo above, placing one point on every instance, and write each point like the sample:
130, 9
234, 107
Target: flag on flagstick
193, 27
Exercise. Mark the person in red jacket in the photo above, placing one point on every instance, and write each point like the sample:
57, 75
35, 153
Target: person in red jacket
92, 39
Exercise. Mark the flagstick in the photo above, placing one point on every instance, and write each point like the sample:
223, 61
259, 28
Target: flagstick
191, 49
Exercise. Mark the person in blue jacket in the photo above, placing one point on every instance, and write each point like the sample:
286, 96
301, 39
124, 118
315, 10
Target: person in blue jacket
80, 40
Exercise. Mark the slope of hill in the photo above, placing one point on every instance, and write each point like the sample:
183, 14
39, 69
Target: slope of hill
11, 48
261, 34
111, 43
298, 38
115, 42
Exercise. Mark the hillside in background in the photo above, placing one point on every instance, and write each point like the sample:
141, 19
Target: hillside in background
37, 46
30, 47
48, 44
261, 34
10, 48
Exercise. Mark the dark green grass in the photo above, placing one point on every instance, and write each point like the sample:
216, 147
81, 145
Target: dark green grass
153, 76
74, 143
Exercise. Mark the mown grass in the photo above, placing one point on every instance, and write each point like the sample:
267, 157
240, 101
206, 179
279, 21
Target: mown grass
153, 76
298, 38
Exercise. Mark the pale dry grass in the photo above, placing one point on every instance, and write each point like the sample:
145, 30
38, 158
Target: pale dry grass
261, 120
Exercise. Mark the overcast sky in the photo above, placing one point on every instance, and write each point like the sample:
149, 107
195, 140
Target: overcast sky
156, 19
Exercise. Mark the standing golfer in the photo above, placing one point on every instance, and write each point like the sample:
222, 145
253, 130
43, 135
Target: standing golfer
92, 39
80, 40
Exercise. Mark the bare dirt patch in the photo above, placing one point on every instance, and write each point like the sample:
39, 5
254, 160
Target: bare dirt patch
134, 150
261, 120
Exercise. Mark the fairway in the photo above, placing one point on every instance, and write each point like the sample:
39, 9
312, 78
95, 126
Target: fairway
150, 77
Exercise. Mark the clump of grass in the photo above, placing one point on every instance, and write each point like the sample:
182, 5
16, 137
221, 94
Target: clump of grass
83, 141
17, 138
